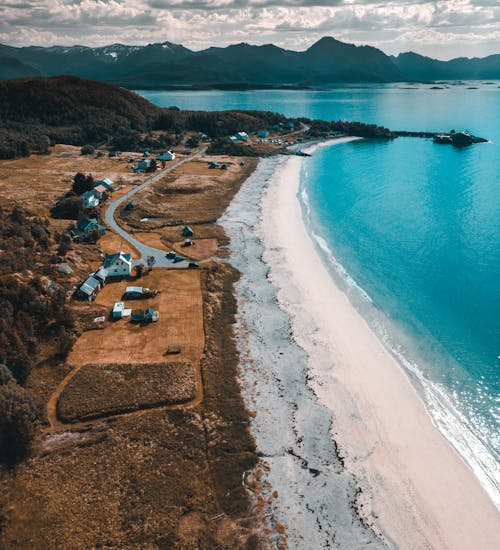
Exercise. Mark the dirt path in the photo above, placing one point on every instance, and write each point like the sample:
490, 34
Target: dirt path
57, 425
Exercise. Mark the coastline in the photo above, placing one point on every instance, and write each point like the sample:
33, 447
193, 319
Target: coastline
399, 479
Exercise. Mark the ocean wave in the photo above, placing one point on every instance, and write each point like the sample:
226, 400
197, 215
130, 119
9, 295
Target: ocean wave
443, 408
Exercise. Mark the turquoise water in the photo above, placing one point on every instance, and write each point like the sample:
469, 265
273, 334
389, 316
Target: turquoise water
416, 226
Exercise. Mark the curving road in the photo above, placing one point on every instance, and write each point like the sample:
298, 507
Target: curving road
145, 250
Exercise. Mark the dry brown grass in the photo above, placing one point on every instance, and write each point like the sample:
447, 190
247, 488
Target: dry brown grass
112, 242
152, 238
160, 478
181, 320
39, 180
191, 194
98, 391
201, 250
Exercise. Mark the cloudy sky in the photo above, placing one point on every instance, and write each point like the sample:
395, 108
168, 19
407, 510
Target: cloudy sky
439, 28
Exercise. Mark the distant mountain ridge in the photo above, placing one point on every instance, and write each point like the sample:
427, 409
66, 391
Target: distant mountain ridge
328, 61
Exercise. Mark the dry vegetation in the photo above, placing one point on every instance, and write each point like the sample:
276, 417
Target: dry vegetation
192, 194
159, 478
38, 181
97, 391
181, 320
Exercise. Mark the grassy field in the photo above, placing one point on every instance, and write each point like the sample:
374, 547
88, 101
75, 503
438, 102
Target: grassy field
97, 391
38, 181
191, 194
180, 304
159, 478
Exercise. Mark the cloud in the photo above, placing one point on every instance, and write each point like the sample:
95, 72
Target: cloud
442, 28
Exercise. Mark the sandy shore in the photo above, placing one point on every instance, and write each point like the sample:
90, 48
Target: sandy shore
351, 450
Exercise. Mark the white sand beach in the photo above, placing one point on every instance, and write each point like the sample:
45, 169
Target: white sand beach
350, 447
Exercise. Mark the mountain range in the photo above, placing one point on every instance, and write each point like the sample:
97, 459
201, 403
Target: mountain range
328, 61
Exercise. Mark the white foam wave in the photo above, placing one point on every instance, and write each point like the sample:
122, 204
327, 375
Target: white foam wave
443, 409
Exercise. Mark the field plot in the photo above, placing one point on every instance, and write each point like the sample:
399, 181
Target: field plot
38, 181
181, 320
102, 390
193, 193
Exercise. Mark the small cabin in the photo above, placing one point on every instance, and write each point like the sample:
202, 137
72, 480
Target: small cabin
187, 231
133, 292
167, 156
64, 268
143, 165
151, 316
88, 289
137, 316
118, 309
137, 292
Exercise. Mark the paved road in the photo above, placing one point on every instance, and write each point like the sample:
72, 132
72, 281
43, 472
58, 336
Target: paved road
159, 255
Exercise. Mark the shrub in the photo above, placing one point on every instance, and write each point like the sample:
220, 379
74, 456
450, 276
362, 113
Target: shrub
20, 413
87, 150
68, 208
82, 183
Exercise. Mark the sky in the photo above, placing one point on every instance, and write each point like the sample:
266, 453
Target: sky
438, 28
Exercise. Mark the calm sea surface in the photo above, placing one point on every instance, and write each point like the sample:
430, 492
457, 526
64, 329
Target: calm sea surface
412, 230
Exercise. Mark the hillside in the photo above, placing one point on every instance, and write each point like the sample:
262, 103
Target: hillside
166, 64
419, 67
38, 112
160, 65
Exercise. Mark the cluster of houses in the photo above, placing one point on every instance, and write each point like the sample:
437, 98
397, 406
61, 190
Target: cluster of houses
149, 315
115, 266
281, 127
100, 192
149, 164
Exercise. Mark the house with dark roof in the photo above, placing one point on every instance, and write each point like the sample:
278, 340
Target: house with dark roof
85, 227
88, 289
167, 155
143, 165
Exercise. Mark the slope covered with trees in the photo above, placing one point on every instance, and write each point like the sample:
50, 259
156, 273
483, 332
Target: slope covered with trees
38, 112
34, 315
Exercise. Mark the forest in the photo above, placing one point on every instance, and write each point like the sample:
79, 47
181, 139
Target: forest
33, 314
36, 113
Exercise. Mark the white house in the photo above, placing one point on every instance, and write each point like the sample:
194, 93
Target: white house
118, 265
242, 136
89, 199
167, 155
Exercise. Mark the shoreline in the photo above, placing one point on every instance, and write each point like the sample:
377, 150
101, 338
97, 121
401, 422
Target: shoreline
412, 488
